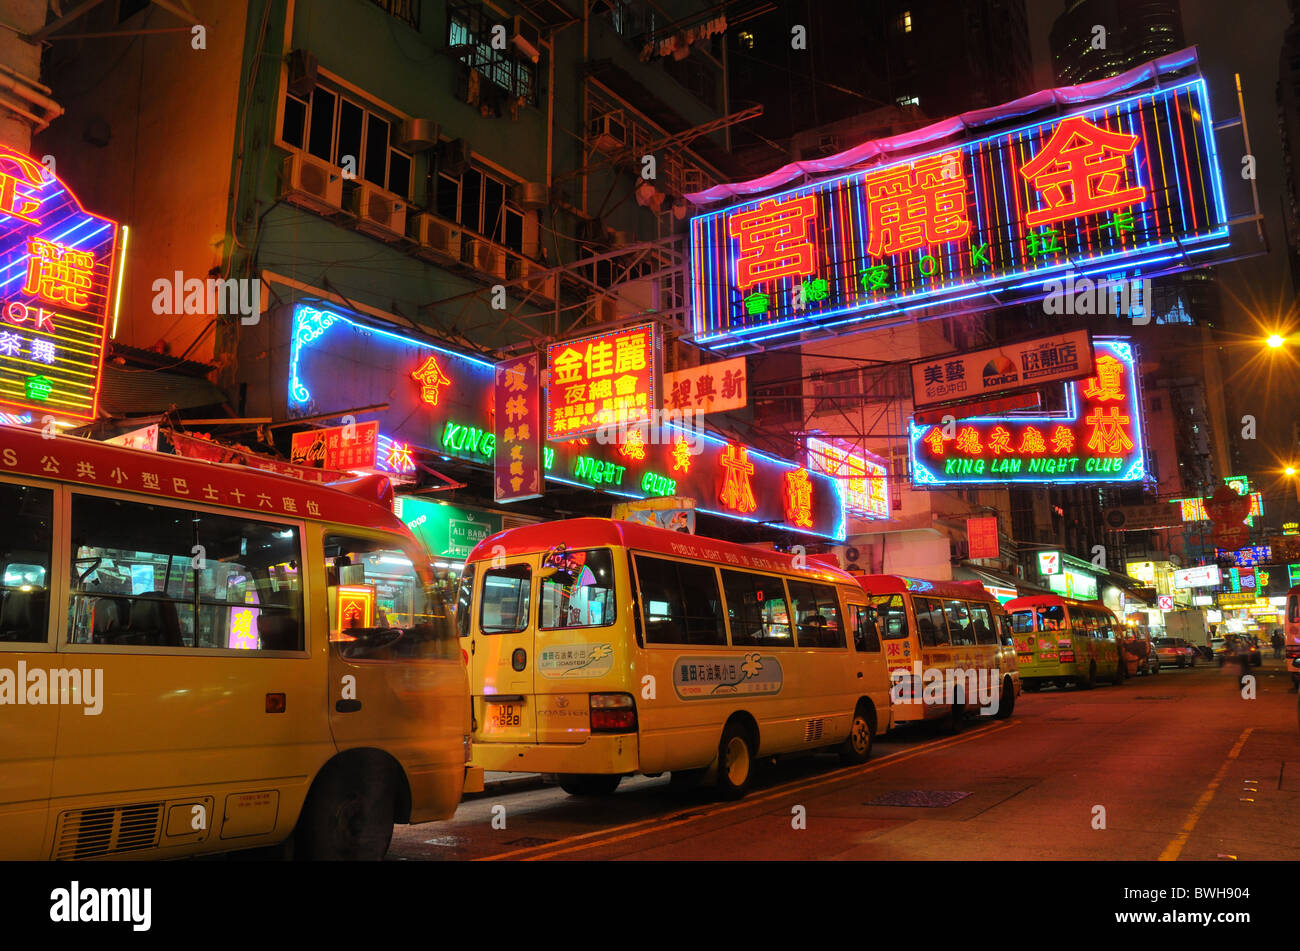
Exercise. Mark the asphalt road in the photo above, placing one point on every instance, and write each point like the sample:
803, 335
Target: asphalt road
1176, 766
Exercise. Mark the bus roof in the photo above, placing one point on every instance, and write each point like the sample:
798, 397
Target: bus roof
363, 501
580, 533
1053, 600
898, 584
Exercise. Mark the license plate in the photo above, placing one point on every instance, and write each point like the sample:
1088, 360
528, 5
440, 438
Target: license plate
500, 717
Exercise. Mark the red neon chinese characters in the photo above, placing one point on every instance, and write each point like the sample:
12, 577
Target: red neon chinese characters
774, 240
1074, 175
1108, 431
968, 441
1107, 384
1031, 441
934, 439
431, 378
633, 445
1062, 439
999, 441
681, 455
59, 274
12, 201
917, 206
400, 458
737, 491
798, 498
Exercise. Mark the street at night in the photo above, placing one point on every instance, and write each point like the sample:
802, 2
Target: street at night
692, 434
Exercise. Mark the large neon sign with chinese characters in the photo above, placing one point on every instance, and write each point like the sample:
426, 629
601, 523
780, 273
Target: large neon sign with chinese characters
337, 363
1128, 186
863, 476
56, 277
602, 380
1096, 438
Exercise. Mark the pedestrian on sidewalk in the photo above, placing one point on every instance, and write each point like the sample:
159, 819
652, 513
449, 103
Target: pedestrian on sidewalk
1277, 643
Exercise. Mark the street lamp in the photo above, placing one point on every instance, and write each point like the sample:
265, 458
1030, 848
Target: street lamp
1274, 341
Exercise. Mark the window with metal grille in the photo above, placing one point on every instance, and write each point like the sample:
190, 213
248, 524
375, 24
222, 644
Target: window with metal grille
470, 28
408, 11
333, 127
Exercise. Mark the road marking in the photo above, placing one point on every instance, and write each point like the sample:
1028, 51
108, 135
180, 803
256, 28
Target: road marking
690, 814
1175, 848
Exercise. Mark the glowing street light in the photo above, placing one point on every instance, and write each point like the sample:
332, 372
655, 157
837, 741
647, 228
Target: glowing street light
1274, 341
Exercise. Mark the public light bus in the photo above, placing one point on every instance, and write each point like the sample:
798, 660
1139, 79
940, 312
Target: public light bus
1291, 634
1062, 641
199, 658
943, 626
601, 649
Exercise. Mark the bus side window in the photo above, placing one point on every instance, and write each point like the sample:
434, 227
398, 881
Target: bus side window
982, 623
862, 621
959, 623
930, 622
26, 537
465, 601
680, 603
818, 614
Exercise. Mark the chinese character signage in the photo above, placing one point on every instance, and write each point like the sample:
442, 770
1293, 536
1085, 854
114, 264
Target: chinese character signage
339, 362
517, 426
56, 277
1097, 437
1128, 185
1246, 557
708, 388
602, 381
1074, 584
982, 537
1015, 366
337, 447
863, 476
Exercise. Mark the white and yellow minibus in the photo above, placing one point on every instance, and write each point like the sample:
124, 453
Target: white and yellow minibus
601, 649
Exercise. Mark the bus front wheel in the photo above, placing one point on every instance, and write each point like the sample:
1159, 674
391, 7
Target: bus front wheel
585, 784
856, 749
735, 762
1007, 702
348, 816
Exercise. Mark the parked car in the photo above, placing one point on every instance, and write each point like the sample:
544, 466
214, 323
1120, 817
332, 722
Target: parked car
1176, 652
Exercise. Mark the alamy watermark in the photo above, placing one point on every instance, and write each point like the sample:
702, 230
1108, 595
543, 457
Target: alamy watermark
663, 428
944, 687
68, 686
215, 296
1083, 295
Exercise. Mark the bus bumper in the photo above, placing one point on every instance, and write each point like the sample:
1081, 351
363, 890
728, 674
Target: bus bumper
615, 753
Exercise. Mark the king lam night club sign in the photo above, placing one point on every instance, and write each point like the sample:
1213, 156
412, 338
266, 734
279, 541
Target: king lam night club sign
1129, 186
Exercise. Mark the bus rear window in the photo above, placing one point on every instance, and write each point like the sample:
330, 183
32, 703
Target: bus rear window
581, 592
1022, 622
891, 617
1051, 618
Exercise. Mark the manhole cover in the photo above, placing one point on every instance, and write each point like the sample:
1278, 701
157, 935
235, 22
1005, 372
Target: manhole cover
925, 798
445, 841
529, 840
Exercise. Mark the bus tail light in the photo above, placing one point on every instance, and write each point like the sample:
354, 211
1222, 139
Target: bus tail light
612, 713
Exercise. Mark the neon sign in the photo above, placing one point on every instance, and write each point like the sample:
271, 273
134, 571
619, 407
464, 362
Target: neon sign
737, 492
1132, 185
603, 380
863, 476
431, 378
56, 279
798, 498
1096, 438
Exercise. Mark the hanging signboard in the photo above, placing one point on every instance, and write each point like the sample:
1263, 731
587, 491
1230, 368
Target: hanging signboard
863, 476
57, 268
337, 447
606, 380
517, 426
1096, 438
1014, 366
1201, 576
1127, 185
982, 537
708, 388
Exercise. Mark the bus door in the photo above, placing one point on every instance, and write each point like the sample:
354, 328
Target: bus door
502, 653
864, 624
27, 732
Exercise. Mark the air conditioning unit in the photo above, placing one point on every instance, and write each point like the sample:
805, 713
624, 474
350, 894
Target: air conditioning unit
529, 195
417, 135
437, 237
453, 157
302, 73
539, 288
311, 183
526, 38
489, 259
379, 213
608, 133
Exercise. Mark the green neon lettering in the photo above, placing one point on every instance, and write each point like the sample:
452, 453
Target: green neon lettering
980, 255
933, 264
